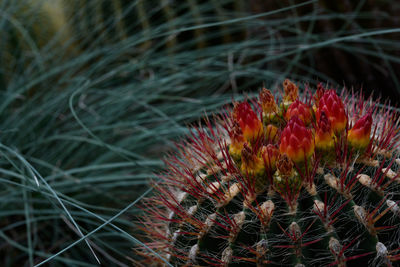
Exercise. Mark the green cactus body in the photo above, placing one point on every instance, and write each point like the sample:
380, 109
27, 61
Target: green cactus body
310, 210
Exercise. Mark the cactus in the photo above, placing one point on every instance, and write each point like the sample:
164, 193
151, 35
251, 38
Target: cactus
312, 181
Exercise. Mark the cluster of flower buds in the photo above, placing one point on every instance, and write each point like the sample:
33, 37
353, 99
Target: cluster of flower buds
285, 140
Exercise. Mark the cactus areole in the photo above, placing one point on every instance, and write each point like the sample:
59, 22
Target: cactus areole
298, 180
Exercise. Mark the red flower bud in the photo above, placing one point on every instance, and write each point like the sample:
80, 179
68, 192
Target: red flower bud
297, 141
359, 135
270, 154
332, 105
324, 133
249, 122
300, 110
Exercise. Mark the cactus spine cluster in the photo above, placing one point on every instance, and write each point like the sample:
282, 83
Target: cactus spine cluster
302, 180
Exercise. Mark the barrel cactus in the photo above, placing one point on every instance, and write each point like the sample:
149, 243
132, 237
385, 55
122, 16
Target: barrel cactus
302, 179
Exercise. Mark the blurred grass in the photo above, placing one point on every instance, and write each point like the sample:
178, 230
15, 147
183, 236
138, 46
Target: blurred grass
93, 95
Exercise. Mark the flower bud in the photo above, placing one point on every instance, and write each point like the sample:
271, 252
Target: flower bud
237, 141
300, 110
270, 154
291, 91
324, 134
268, 105
252, 164
267, 101
249, 122
359, 136
286, 180
297, 141
285, 166
332, 105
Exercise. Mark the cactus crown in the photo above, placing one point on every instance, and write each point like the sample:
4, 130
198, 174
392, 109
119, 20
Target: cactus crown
312, 181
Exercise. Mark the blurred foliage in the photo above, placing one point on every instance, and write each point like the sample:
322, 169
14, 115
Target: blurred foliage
371, 62
93, 93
